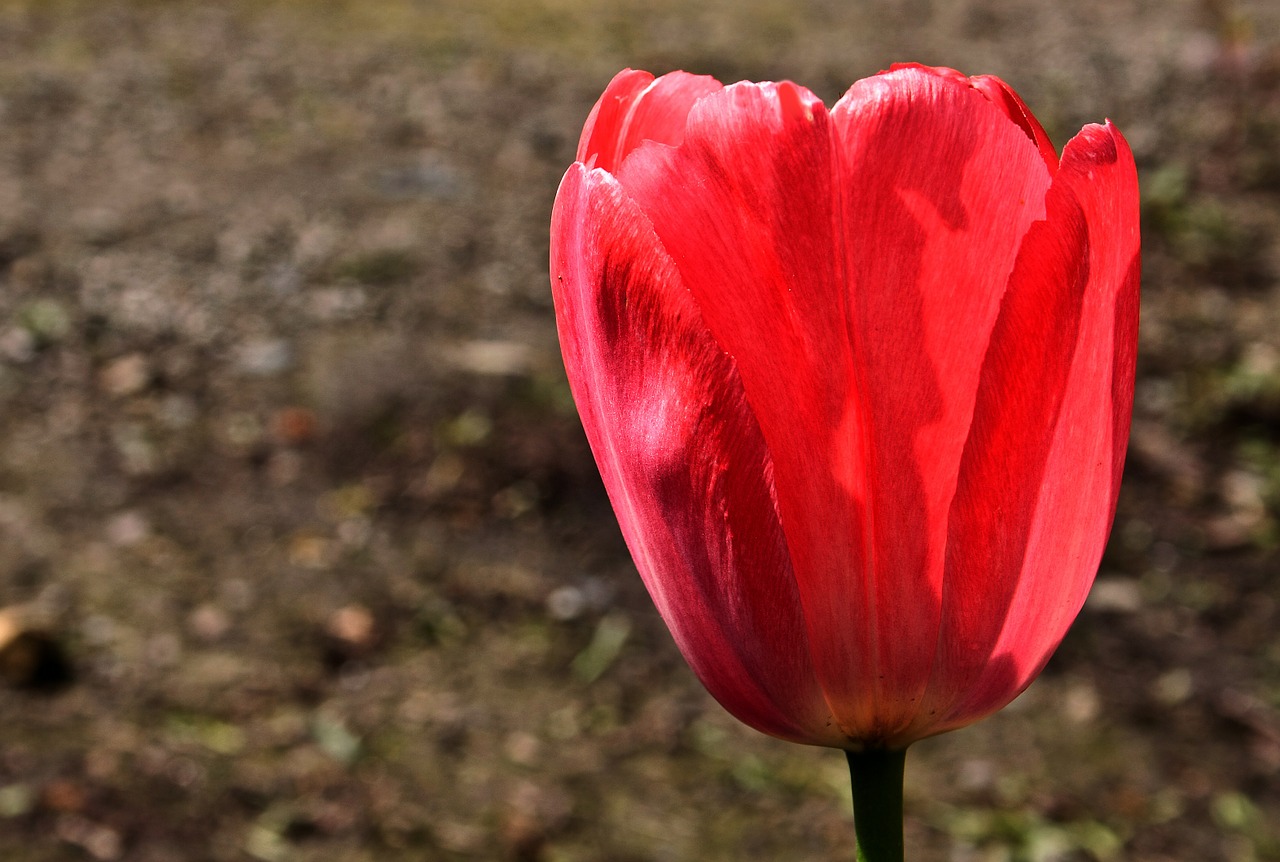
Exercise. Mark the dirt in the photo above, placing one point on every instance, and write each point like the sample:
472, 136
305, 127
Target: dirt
300, 525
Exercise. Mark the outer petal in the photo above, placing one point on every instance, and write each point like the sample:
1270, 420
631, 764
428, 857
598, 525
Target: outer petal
637, 107
747, 208
1046, 488
1003, 97
1024, 379
683, 460
939, 191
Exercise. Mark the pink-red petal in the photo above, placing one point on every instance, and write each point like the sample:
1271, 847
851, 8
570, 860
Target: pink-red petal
636, 107
1063, 542
748, 209
683, 460
938, 190
1004, 98
1023, 381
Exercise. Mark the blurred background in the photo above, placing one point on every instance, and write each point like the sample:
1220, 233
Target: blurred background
302, 551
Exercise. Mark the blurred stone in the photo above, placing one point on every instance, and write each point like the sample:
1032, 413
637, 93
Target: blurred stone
1173, 687
30, 655
242, 430
64, 795
45, 319
264, 357
100, 226
16, 800
565, 603
1115, 595
522, 748
1080, 702
310, 551
128, 528
127, 375
976, 775
492, 358
337, 303
352, 624
294, 426
1244, 491
18, 345
350, 633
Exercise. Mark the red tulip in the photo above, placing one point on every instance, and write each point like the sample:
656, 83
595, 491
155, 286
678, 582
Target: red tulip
858, 382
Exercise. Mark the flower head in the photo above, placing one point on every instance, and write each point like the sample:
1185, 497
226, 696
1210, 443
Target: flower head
858, 382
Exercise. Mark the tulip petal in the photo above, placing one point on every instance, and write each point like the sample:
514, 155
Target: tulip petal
1003, 97
1024, 378
1068, 352
747, 208
637, 107
939, 188
683, 460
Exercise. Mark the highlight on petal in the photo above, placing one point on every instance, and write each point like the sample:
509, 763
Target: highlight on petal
938, 190
1076, 487
1019, 402
747, 209
1003, 97
636, 107
683, 460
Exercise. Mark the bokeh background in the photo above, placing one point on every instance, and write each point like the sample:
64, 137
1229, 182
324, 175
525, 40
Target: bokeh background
303, 555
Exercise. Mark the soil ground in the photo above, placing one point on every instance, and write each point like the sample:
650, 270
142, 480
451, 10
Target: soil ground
290, 479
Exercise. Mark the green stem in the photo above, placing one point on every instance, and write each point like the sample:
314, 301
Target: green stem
877, 803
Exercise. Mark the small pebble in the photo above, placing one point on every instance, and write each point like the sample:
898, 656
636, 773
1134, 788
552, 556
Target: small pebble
209, 622
566, 603
18, 345
128, 528
294, 426
353, 626
264, 358
127, 375
1115, 595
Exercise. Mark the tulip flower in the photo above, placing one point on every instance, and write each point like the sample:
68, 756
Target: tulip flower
859, 385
